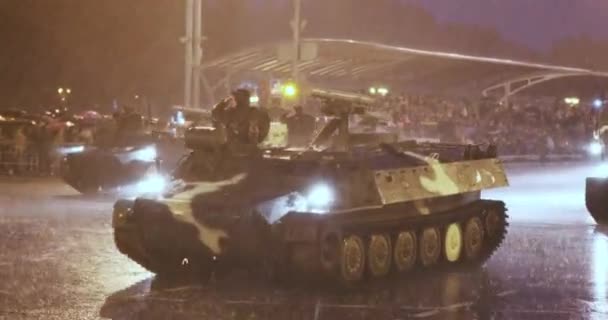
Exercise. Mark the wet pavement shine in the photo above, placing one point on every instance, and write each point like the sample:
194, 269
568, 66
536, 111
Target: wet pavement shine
58, 261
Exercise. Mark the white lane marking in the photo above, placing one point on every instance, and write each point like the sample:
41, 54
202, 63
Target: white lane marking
506, 293
317, 309
435, 311
92, 231
426, 314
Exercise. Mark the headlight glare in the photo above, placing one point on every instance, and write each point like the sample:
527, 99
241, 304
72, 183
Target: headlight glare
595, 148
147, 154
320, 196
152, 184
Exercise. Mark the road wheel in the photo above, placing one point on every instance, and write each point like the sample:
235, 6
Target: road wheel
352, 263
473, 238
329, 249
405, 251
430, 246
379, 255
453, 242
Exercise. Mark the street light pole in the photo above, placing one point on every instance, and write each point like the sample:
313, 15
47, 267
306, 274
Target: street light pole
198, 52
188, 54
296, 26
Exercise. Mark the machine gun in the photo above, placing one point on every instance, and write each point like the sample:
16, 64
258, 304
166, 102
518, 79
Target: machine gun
340, 106
340, 103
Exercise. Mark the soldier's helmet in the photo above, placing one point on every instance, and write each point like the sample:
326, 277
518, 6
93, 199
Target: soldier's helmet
242, 96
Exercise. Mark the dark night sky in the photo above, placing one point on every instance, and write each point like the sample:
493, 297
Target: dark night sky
535, 23
106, 49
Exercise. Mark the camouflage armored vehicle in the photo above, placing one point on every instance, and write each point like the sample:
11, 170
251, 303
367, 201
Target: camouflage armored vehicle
351, 207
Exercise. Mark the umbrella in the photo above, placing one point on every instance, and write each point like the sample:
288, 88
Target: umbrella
91, 115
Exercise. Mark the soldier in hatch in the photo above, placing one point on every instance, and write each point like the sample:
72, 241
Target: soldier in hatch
300, 127
129, 125
243, 124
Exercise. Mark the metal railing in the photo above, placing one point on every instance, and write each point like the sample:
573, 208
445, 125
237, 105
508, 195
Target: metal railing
24, 160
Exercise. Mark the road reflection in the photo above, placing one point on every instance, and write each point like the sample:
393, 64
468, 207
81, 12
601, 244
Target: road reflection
455, 295
599, 272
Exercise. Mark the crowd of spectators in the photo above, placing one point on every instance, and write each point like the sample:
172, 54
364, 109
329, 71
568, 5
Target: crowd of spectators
521, 126
35, 144
31, 147
32, 144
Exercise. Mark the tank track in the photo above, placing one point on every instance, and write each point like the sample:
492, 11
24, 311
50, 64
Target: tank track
491, 240
496, 241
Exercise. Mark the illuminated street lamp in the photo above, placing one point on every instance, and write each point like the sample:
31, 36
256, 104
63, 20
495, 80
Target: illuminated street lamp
382, 91
64, 93
290, 90
597, 103
573, 101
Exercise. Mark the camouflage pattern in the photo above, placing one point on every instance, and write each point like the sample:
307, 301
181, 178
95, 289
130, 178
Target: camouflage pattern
181, 208
438, 179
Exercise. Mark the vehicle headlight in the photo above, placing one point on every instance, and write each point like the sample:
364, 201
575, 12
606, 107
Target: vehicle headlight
320, 197
595, 148
123, 209
71, 150
147, 154
152, 184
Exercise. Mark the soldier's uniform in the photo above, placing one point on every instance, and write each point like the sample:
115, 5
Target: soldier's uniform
129, 126
243, 124
300, 127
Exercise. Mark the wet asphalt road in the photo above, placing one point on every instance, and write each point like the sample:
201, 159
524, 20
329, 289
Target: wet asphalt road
58, 261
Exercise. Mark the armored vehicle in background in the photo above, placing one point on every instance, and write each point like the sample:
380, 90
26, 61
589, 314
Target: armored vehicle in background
351, 207
596, 188
596, 191
129, 167
93, 169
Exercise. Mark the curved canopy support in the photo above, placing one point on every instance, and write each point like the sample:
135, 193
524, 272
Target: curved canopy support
368, 62
512, 86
